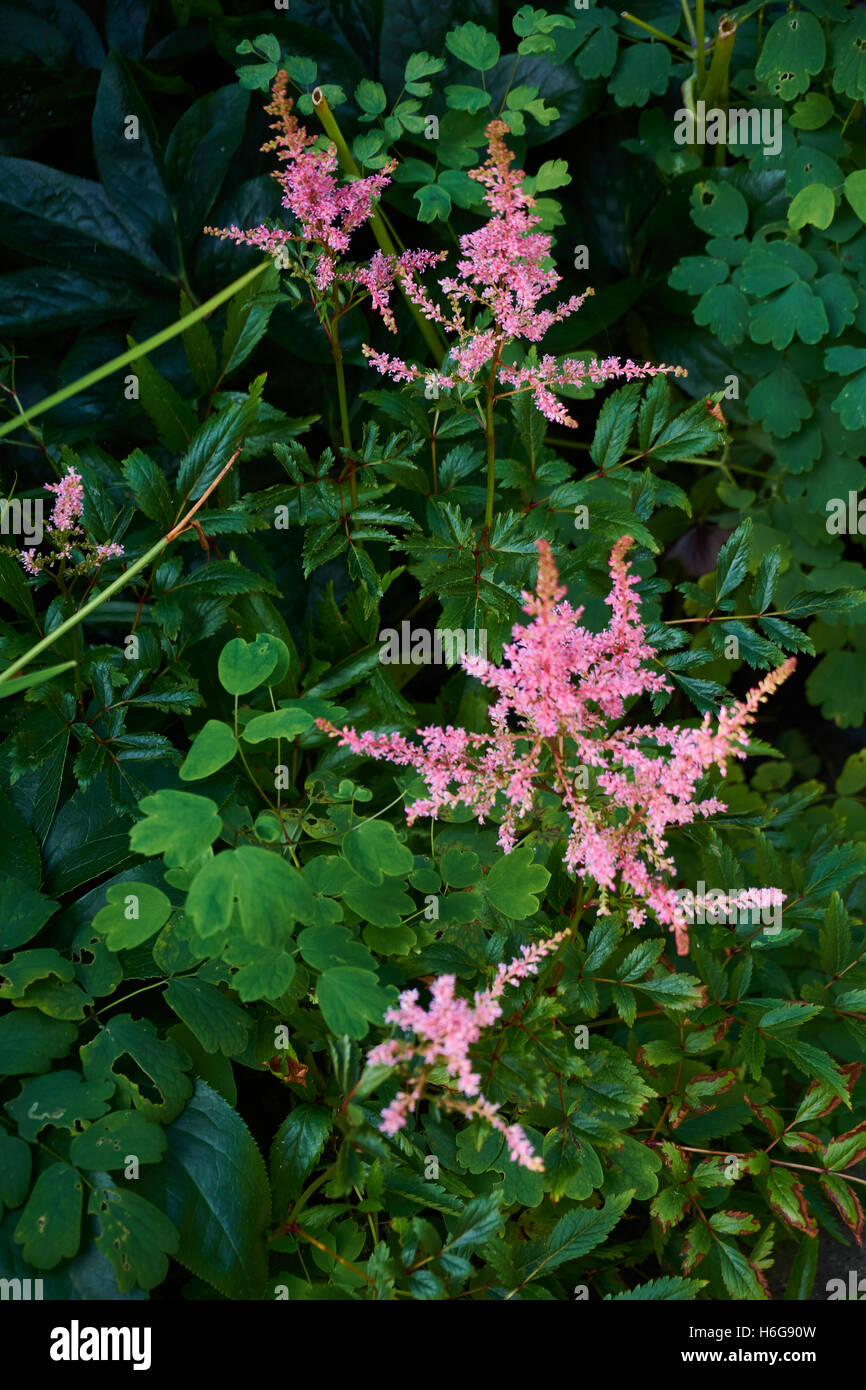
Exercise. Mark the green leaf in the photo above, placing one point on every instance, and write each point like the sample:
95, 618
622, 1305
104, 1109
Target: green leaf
434, 201
643, 70
149, 488
213, 1186
801, 1280
814, 1063
788, 1200
219, 1024
571, 1166
639, 961
854, 189
795, 310
814, 204
835, 937
326, 946
213, 746
473, 45
134, 1236
26, 967
740, 1279
373, 850
813, 112
614, 426
419, 66
351, 999
174, 420
733, 562
61, 1099
109, 1142
479, 1220
178, 825
271, 896
513, 882
134, 912
297, 1146
19, 853
845, 1200
50, 1226
793, 51
574, 1235
718, 208
214, 442
849, 62
668, 1287
131, 170
602, 941
147, 1069
243, 666
280, 723
779, 401
262, 973
371, 97
852, 778
29, 1041
15, 1166
847, 1149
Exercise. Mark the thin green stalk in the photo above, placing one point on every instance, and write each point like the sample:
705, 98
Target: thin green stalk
141, 350
337, 354
716, 88
701, 49
490, 436
656, 33
687, 15
435, 343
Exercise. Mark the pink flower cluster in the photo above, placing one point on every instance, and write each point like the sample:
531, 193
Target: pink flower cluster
443, 1035
64, 530
553, 727
503, 271
69, 500
326, 211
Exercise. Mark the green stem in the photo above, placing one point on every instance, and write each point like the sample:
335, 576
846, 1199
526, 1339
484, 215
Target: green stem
716, 88
701, 49
141, 350
435, 343
490, 436
687, 15
337, 354
657, 33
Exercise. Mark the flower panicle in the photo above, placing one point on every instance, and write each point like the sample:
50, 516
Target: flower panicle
562, 694
443, 1034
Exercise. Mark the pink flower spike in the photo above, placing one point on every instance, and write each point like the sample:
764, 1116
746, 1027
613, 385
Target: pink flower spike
69, 500
559, 691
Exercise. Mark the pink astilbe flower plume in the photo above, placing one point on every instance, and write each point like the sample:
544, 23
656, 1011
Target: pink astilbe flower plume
560, 689
443, 1035
64, 532
503, 272
326, 212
